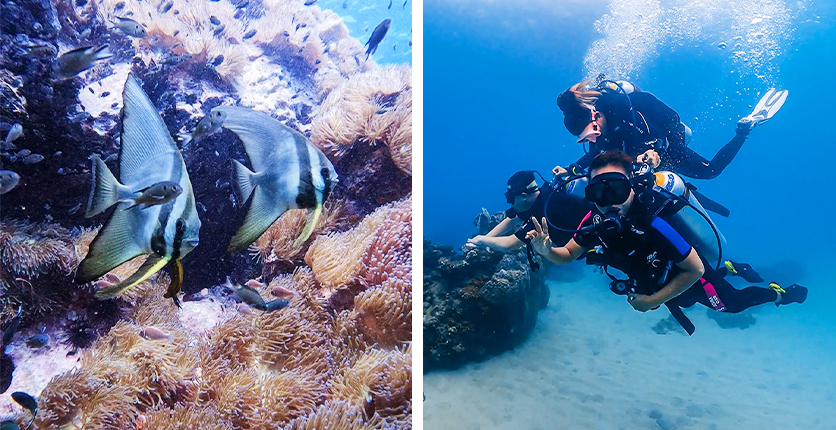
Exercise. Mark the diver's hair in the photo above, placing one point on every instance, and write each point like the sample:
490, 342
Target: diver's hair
583, 95
612, 158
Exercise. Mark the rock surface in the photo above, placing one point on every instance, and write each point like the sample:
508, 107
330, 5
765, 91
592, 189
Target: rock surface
477, 304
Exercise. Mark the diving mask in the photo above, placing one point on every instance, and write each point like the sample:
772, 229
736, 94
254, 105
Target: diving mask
592, 130
608, 189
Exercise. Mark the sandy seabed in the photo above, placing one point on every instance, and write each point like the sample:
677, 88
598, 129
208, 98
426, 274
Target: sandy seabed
593, 362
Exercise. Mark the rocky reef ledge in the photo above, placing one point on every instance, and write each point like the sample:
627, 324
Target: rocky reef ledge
477, 303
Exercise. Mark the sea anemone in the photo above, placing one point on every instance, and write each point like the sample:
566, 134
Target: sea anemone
376, 249
373, 107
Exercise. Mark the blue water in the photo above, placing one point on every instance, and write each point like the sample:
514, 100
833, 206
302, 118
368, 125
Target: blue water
361, 17
492, 72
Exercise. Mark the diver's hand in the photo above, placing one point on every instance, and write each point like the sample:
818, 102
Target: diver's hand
476, 241
642, 302
650, 157
539, 237
560, 172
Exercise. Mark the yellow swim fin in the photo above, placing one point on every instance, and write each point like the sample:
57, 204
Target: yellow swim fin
152, 265
310, 225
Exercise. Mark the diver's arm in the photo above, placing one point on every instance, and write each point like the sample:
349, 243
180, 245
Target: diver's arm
692, 268
565, 254
501, 243
504, 226
543, 245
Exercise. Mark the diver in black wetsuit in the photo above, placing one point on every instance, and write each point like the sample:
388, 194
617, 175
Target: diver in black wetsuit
528, 201
629, 226
617, 115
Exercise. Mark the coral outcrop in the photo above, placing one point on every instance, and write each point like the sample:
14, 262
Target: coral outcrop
477, 304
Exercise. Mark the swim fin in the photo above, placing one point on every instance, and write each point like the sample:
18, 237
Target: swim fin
766, 108
744, 270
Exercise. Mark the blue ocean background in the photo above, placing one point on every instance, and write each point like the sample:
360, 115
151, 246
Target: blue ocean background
492, 72
361, 17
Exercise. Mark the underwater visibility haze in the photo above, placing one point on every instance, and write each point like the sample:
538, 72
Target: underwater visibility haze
556, 348
205, 214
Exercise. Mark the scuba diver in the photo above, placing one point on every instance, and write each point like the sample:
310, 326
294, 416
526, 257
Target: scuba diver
528, 201
631, 226
618, 115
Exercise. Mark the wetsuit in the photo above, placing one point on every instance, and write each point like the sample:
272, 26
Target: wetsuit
648, 250
565, 211
655, 126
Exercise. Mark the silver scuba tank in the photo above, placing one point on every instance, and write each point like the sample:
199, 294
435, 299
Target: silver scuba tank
696, 229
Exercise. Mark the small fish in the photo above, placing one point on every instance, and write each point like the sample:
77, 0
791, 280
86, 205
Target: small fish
37, 341
275, 305
8, 180
9, 333
9, 425
104, 94
130, 27
26, 401
309, 2
22, 154
404, 4
81, 116
119, 6
246, 294
85, 34
377, 36
153, 333
390, 5
217, 61
218, 31
42, 51
214, 20
345, 4
209, 124
249, 34
15, 131
395, 47
157, 194
282, 292
166, 7
78, 60
33, 158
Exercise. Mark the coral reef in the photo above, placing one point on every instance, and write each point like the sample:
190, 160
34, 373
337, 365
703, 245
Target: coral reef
338, 354
478, 304
365, 127
251, 371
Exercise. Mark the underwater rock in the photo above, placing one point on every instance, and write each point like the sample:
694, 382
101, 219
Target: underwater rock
478, 304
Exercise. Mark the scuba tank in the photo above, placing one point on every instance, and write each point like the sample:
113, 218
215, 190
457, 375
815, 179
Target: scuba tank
692, 220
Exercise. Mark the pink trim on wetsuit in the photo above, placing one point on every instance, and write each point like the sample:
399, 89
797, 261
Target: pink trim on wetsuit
713, 298
588, 214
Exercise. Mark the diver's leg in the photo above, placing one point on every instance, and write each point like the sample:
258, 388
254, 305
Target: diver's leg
687, 162
738, 300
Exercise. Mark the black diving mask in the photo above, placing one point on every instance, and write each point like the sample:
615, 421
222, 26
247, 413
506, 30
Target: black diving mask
510, 195
608, 189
